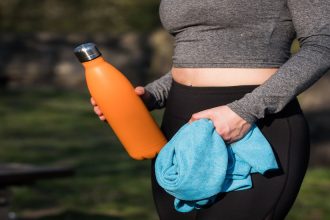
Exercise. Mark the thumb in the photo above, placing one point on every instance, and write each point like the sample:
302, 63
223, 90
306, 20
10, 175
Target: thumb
202, 114
139, 90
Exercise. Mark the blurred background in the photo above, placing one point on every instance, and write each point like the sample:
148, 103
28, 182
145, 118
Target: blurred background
46, 118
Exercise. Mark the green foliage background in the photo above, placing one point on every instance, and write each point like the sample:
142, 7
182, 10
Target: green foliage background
55, 127
106, 16
51, 127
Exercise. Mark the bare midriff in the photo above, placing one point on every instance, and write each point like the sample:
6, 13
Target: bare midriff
221, 76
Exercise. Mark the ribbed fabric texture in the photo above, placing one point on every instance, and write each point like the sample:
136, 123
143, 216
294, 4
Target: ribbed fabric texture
196, 164
227, 33
250, 34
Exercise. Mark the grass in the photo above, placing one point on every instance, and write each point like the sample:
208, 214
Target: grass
313, 200
50, 127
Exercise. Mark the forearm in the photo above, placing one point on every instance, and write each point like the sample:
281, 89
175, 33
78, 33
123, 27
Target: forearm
296, 75
159, 89
312, 24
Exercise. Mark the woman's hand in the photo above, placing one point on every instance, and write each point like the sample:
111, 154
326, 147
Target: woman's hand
97, 110
139, 90
230, 126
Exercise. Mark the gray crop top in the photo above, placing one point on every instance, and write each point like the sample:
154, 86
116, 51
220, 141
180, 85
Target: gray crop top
257, 33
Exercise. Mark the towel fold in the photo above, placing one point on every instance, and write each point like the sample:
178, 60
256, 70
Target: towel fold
196, 164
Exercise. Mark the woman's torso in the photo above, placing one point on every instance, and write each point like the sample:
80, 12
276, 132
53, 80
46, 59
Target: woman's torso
231, 42
221, 76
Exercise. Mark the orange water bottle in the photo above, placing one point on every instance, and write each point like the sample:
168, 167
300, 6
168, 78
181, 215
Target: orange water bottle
123, 109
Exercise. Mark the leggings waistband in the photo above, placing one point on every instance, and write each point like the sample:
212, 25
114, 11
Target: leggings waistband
184, 100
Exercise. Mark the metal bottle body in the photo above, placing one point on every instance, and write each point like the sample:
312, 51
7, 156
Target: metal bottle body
124, 110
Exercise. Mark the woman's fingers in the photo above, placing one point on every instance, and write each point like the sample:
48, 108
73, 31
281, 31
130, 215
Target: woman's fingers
227, 123
93, 101
99, 113
139, 90
208, 113
97, 110
102, 118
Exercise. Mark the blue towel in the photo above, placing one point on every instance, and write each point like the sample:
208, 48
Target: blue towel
196, 164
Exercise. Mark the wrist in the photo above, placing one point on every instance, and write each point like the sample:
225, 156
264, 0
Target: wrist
150, 100
247, 116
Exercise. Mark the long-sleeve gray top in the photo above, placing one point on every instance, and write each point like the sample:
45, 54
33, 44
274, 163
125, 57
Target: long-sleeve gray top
250, 34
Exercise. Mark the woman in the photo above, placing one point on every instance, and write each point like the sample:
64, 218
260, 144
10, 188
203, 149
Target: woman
232, 64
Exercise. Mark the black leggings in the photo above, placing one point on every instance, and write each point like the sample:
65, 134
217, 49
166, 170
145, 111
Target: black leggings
271, 196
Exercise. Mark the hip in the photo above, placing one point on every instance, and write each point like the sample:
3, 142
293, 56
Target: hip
184, 100
286, 131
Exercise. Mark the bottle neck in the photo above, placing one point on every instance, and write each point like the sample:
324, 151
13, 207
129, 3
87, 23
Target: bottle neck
94, 62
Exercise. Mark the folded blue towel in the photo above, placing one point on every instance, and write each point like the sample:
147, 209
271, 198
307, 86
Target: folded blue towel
196, 164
